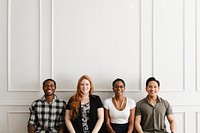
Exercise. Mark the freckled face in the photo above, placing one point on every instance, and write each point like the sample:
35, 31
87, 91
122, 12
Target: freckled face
49, 88
152, 89
85, 86
119, 88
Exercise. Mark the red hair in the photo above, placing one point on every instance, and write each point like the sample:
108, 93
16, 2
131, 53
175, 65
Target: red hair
76, 98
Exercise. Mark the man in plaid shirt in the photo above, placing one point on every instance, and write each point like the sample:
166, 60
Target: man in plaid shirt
47, 114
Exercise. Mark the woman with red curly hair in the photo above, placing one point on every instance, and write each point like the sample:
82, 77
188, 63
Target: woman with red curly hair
84, 112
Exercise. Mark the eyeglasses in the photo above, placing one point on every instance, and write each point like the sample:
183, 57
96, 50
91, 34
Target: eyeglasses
119, 86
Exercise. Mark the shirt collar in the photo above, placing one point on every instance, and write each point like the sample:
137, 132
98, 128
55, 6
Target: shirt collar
158, 99
44, 99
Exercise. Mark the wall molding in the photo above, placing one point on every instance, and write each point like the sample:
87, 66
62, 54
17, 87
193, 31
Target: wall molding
140, 89
10, 103
9, 113
28, 103
198, 121
184, 119
153, 45
197, 43
9, 53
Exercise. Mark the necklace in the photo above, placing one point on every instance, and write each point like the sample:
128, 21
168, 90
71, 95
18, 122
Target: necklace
120, 107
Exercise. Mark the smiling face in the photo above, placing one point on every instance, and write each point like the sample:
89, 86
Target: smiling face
85, 86
49, 88
119, 88
152, 89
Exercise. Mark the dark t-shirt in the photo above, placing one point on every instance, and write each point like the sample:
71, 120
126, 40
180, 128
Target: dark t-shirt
95, 103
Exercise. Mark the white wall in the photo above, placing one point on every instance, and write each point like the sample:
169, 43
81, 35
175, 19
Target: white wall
106, 39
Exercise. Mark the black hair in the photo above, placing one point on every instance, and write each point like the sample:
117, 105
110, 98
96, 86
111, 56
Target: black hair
116, 80
49, 80
152, 79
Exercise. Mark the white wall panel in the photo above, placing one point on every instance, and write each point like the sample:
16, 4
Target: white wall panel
17, 121
146, 40
45, 39
180, 118
198, 122
168, 43
3, 44
96, 38
198, 43
14, 118
23, 45
190, 45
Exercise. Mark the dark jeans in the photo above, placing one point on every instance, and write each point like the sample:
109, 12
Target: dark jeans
120, 128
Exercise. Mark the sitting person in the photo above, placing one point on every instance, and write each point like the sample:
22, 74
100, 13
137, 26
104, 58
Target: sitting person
119, 110
151, 111
84, 112
47, 114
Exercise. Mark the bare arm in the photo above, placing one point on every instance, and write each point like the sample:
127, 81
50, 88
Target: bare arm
107, 121
131, 120
172, 123
68, 122
100, 113
31, 128
137, 124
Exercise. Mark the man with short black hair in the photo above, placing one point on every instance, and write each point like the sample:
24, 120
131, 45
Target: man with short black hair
47, 114
151, 111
